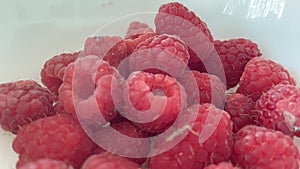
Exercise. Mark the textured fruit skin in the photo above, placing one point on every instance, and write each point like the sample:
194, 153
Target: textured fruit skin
93, 78
108, 161
133, 42
46, 164
136, 29
222, 165
190, 153
234, 55
157, 97
164, 52
258, 147
272, 105
59, 137
109, 48
211, 89
176, 19
59, 108
120, 145
22, 102
260, 75
241, 110
54, 69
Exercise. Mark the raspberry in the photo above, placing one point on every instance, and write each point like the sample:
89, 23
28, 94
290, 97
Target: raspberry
23, 159
132, 43
120, 145
136, 29
163, 52
260, 75
59, 137
54, 70
46, 164
211, 89
241, 110
59, 108
91, 80
109, 48
258, 147
195, 151
234, 55
108, 161
279, 109
222, 165
176, 19
154, 99
22, 102
198, 66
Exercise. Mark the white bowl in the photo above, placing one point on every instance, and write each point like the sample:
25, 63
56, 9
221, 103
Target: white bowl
33, 31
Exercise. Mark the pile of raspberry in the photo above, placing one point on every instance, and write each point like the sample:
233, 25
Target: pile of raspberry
231, 107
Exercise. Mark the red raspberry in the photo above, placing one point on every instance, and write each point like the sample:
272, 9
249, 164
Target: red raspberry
258, 147
120, 145
279, 109
54, 70
136, 29
59, 108
234, 55
241, 110
108, 161
260, 75
211, 89
222, 165
59, 137
109, 48
154, 99
132, 43
23, 159
164, 52
195, 151
46, 164
198, 66
93, 81
22, 102
176, 19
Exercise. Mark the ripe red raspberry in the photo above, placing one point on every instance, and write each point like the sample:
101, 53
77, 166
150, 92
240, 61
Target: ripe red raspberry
109, 48
23, 159
22, 102
222, 165
279, 109
91, 81
108, 161
176, 19
153, 99
59, 108
132, 43
114, 144
241, 110
234, 55
46, 164
211, 89
59, 137
258, 147
54, 70
136, 29
260, 75
163, 52
196, 151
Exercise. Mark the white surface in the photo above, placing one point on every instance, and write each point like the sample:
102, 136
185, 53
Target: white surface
32, 31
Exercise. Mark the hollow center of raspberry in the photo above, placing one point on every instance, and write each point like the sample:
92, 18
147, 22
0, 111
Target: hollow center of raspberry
158, 92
